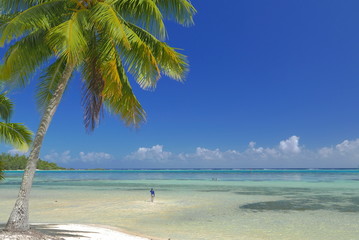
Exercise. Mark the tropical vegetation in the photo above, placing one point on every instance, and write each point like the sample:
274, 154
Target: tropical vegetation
2, 168
18, 162
15, 134
104, 40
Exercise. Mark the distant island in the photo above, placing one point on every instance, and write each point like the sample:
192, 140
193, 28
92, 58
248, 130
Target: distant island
18, 162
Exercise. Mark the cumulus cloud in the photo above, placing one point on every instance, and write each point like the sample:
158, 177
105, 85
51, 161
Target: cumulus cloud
262, 152
94, 156
16, 152
348, 146
66, 157
344, 150
288, 153
208, 154
291, 145
63, 157
155, 153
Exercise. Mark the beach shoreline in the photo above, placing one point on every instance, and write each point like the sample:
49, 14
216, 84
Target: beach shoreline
71, 231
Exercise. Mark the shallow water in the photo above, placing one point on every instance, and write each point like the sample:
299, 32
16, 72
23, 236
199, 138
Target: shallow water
199, 204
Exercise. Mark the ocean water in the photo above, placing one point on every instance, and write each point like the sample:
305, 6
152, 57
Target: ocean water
259, 204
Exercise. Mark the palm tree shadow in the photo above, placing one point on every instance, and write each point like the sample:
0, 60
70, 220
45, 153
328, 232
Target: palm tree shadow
50, 229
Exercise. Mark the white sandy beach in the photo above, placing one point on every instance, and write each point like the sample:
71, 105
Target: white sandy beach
79, 232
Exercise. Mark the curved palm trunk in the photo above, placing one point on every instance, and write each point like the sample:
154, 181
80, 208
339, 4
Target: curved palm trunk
19, 218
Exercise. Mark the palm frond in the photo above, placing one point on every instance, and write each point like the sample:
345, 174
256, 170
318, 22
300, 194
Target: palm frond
15, 134
49, 82
107, 21
126, 105
138, 56
182, 11
11, 6
68, 39
172, 63
117, 92
37, 17
4, 18
141, 63
92, 99
144, 13
24, 57
6, 107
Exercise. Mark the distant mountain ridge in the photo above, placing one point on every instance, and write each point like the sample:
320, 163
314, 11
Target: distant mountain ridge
18, 162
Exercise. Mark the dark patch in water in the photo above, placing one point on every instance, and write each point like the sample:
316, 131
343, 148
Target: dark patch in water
346, 193
354, 200
283, 205
327, 198
349, 208
214, 190
253, 193
300, 205
134, 189
273, 191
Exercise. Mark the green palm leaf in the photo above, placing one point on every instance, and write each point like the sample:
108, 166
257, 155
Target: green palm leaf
92, 98
136, 54
126, 105
6, 107
49, 82
68, 39
144, 13
107, 21
15, 134
180, 10
19, 5
40, 16
24, 57
172, 63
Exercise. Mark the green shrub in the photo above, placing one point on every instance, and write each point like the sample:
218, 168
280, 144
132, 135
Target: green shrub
18, 162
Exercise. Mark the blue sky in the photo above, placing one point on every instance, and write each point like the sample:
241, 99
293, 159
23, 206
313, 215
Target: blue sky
271, 84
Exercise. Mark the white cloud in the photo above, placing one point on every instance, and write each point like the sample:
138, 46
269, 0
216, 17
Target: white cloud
325, 152
212, 155
290, 145
348, 146
16, 152
63, 157
260, 151
94, 156
348, 150
66, 157
154, 153
288, 153
208, 154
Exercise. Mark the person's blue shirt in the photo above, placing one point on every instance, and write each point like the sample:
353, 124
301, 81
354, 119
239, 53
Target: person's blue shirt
152, 192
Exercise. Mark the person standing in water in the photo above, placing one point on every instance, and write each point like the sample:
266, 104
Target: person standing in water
152, 194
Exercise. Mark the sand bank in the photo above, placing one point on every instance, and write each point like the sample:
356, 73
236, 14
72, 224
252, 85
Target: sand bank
72, 232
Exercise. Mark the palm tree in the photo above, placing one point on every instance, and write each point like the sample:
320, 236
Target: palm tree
102, 39
14, 134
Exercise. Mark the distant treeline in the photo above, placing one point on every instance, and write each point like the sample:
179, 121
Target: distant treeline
18, 162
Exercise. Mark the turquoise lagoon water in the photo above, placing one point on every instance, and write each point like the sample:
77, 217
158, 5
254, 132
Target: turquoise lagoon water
250, 204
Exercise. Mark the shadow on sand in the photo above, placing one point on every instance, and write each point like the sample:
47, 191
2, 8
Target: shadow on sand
51, 230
